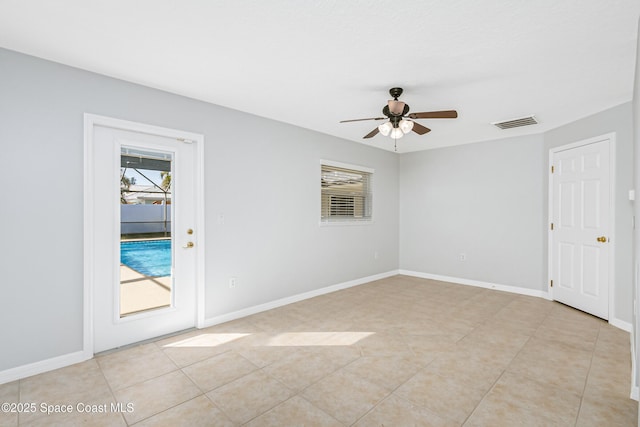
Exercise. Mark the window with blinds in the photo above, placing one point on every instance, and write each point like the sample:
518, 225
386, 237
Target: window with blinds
345, 193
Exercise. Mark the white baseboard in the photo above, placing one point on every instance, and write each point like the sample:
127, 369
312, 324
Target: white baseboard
295, 298
621, 324
35, 368
477, 283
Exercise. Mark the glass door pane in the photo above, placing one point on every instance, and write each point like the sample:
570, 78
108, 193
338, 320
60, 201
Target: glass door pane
146, 255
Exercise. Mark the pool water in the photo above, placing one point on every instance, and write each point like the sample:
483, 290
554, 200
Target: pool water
149, 257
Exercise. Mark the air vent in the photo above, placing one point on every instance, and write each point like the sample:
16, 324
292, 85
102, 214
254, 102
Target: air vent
516, 123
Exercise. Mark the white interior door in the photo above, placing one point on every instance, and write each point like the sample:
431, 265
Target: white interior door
580, 248
134, 302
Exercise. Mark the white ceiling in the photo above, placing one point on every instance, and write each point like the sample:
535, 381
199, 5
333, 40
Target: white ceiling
313, 63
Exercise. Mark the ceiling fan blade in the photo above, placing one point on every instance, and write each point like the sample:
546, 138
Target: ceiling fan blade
448, 114
371, 134
419, 129
359, 120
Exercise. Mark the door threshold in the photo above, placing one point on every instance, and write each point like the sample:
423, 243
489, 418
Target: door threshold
139, 343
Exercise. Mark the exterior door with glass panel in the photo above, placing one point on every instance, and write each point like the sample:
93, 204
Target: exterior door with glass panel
581, 244
144, 236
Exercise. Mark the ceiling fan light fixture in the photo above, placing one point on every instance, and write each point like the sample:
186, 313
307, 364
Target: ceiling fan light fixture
405, 125
396, 107
385, 128
396, 133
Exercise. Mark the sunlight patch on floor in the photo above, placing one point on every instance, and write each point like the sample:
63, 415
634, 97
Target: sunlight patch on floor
286, 339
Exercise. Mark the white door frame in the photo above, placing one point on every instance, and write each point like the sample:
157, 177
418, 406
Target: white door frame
611, 137
90, 122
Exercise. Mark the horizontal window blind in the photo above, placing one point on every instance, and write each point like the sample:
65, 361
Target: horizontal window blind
346, 194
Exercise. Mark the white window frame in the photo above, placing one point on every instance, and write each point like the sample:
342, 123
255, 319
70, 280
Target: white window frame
355, 221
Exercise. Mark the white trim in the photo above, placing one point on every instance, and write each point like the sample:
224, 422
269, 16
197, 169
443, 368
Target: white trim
576, 144
343, 223
115, 237
611, 137
479, 284
346, 166
90, 122
621, 324
41, 366
200, 232
635, 390
294, 298
87, 334
97, 120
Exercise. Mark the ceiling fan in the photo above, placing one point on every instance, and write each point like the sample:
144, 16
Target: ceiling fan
397, 112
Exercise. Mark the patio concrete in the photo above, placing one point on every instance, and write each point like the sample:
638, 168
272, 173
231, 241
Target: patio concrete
140, 293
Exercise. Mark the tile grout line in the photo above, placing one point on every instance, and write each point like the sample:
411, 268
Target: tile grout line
505, 368
478, 318
178, 368
110, 388
584, 388
300, 393
483, 397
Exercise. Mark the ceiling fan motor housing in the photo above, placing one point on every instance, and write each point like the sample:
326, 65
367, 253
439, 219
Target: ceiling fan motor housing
395, 92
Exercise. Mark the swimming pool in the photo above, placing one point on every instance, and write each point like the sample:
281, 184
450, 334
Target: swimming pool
149, 257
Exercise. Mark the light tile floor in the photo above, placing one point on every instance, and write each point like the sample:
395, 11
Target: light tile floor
396, 352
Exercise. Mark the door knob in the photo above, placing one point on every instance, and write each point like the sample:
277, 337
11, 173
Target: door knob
188, 245
602, 239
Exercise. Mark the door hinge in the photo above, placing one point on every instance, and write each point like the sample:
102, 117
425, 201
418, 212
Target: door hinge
551, 226
551, 284
552, 169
